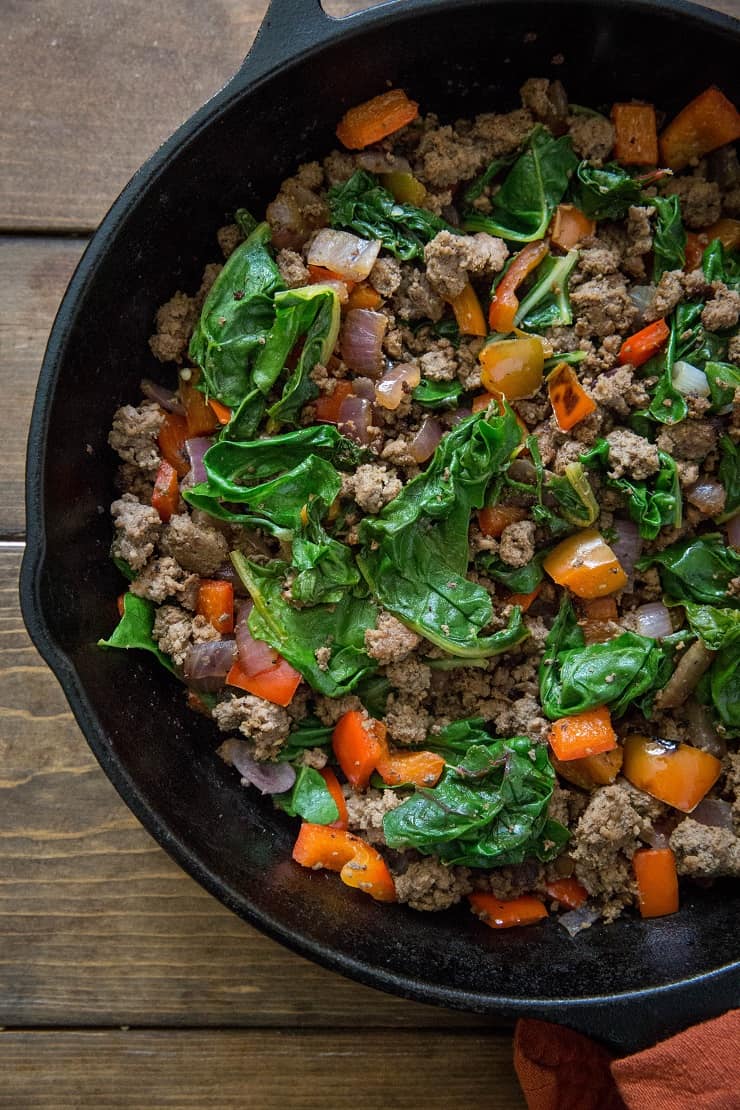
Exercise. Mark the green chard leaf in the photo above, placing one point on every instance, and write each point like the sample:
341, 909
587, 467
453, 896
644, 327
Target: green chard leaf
720, 685
134, 630
698, 570
729, 476
605, 193
724, 380
719, 264
309, 798
315, 313
520, 580
669, 240
546, 304
574, 496
308, 733
362, 205
437, 395
651, 505
491, 172
489, 808
522, 208
455, 739
715, 627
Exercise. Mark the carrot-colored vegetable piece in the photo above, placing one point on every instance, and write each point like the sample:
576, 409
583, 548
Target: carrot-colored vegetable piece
494, 518
569, 227
374, 119
727, 230
359, 742
635, 134
512, 367
200, 417
568, 398
569, 892
420, 768
215, 602
120, 605
329, 404
708, 121
223, 412
500, 914
601, 609
332, 785
172, 435
505, 301
695, 245
593, 770
166, 493
524, 601
600, 615
358, 863
364, 296
277, 684
676, 774
320, 275
468, 312
586, 565
641, 346
406, 188
583, 734
657, 881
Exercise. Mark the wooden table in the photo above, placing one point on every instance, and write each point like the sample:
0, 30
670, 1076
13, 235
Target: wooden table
122, 983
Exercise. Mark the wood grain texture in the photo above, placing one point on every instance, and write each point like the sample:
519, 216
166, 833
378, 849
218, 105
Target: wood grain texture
256, 1071
97, 925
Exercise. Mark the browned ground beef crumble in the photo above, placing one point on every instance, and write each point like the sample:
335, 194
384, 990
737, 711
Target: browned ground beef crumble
609, 824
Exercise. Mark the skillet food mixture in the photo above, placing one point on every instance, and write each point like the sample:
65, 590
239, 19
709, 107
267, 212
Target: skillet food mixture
438, 521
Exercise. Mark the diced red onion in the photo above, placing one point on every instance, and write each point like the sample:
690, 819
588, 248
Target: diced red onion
165, 398
344, 254
715, 812
703, 734
269, 778
424, 443
654, 838
364, 387
196, 449
707, 496
642, 297
362, 340
207, 665
339, 288
627, 545
733, 531
654, 620
396, 383
255, 656
689, 379
226, 573
575, 921
378, 161
355, 419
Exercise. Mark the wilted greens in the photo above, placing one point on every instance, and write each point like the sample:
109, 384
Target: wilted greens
546, 303
362, 205
651, 504
134, 630
698, 570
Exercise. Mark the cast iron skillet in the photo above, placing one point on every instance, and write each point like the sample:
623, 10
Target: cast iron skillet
628, 983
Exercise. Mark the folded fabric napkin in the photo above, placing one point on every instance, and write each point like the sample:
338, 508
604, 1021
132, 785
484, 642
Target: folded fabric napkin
698, 1069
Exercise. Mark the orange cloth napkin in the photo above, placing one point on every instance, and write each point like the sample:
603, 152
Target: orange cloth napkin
698, 1069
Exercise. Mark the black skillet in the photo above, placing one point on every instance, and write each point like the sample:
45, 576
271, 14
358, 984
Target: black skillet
629, 983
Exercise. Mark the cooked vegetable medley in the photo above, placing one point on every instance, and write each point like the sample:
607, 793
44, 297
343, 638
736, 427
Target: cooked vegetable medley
440, 520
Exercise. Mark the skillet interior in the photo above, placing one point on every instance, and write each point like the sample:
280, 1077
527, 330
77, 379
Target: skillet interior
456, 59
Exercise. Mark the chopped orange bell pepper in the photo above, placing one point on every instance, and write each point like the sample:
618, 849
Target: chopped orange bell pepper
591, 771
695, 245
524, 601
505, 302
583, 734
726, 230
503, 914
494, 518
512, 367
601, 609
358, 863
374, 119
657, 881
332, 785
635, 134
569, 892
359, 742
329, 404
172, 435
201, 418
277, 684
215, 602
420, 768
468, 312
364, 296
641, 346
569, 227
570, 402
406, 188
676, 774
166, 493
223, 412
586, 564
120, 605
710, 120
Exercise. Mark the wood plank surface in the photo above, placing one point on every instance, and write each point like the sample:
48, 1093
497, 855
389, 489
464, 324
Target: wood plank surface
261, 1070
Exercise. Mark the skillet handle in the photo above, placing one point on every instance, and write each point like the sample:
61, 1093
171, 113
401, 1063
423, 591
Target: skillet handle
289, 29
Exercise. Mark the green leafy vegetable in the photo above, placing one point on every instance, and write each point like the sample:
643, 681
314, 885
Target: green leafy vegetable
415, 553
522, 208
455, 739
575, 676
721, 684
437, 395
520, 580
245, 221
698, 570
547, 304
308, 733
606, 193
724, 380
373, 691
729, 476
650, 506
236, 319
491, 172
134, 630
362, 205
719, 264
315, 313
574, 496
572, 358
309, 798
488, 809
716, 627
669, 240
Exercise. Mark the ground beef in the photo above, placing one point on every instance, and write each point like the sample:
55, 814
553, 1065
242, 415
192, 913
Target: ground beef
592, 137
603, 844
174, 324
338, 167
452, 259
292, 270
517, 546
229, 238
733, 350
314, 757
445, 157
632, 455
502, 134
691, 439
415, 299
603, 307
265, 724
197, 547
620, 391
367, 810
385, 276
520, 715
407, 721
427, 884
638, 241
547, 102
668, 293
329, 710
595, 261
723, 310
298, 210
137, 530
374, 486
411, 677
175, 630
164, 577
701, 201
133, 435
439, 364
705, 852
390, 641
